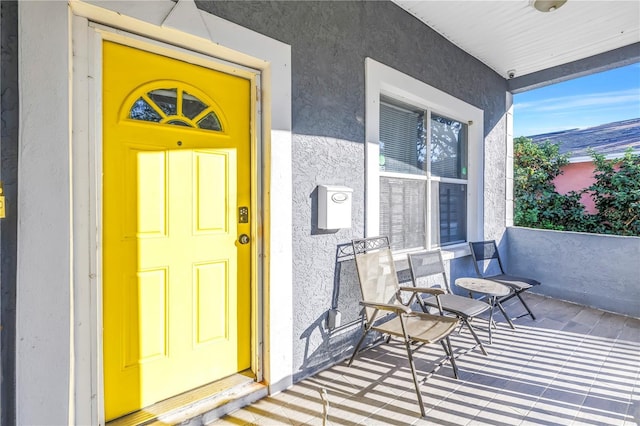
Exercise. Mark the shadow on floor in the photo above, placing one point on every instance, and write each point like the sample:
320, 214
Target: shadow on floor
573, 365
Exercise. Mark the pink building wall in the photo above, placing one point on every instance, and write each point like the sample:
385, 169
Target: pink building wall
577, 176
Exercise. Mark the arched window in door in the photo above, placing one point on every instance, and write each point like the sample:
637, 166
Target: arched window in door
174, 103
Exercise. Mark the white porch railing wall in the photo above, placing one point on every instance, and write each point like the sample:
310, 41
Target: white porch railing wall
600, 271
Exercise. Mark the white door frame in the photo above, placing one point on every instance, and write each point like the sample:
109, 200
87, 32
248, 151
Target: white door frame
58, 351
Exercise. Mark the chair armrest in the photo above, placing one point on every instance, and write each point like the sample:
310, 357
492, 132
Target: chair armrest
434, 291
387, 307
429, 290
452, 320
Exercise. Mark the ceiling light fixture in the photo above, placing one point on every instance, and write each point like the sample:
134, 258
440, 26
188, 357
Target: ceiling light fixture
547, 5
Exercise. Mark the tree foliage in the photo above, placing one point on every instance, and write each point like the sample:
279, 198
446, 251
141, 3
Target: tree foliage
616, 194
537, 204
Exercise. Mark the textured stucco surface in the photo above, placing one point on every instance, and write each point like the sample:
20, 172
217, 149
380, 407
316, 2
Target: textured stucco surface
495, 181
8, 225
44, 259
620, 57
322, 160
329, 43
576, 177
600, 271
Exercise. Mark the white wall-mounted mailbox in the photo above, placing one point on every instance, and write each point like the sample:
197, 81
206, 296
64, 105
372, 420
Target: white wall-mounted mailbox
334, 206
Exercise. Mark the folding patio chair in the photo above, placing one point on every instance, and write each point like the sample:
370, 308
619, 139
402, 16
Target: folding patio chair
385, 311
425, 264
486, 252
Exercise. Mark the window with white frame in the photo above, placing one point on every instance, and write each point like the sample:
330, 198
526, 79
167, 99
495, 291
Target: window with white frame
423, 177
424, 163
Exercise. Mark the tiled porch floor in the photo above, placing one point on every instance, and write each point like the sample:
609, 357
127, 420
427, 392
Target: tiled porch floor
572, 366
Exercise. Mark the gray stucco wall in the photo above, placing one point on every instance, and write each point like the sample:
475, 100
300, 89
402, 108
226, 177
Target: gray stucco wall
329, 43
8, 225
601, 271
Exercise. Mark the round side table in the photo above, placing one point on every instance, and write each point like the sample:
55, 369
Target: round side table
493, 290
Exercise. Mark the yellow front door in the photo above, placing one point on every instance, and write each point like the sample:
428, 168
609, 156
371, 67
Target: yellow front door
176, 197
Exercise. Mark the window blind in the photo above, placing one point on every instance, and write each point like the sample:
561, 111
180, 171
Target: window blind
401, 140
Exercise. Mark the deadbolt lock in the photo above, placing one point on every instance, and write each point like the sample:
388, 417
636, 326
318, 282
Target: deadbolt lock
243, 215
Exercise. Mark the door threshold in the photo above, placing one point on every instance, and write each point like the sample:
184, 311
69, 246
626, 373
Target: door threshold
209, 402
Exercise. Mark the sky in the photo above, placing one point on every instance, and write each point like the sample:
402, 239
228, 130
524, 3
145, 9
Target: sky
589, 101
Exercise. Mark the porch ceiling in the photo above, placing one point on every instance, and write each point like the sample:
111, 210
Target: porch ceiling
512, 35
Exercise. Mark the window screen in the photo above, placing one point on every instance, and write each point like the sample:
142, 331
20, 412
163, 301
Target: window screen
403, 212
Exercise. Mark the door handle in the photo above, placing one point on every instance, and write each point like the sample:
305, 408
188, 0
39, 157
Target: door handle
243, 239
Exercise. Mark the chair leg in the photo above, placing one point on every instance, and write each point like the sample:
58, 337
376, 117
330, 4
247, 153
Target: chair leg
505, 314
525, 305
355, 351
449, 351
509, 296
516, 293
423, 305
475, 336
415, 377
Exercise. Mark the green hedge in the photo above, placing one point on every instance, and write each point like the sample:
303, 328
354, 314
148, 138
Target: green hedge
616, 192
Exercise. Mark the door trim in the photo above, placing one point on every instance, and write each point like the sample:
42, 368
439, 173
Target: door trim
57, 254
78, 226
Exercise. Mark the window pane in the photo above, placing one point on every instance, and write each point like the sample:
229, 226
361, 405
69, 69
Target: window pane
448, 147
165, 99
449, 213
141, 110
210, 122
191, 106
178, 123
402, 140
402, 212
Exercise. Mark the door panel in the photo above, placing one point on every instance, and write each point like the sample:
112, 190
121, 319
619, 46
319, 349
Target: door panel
176, 284
146, 305
210, 187
149, 196
211, 296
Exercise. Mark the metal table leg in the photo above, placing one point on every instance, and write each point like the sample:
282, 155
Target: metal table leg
492, 300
